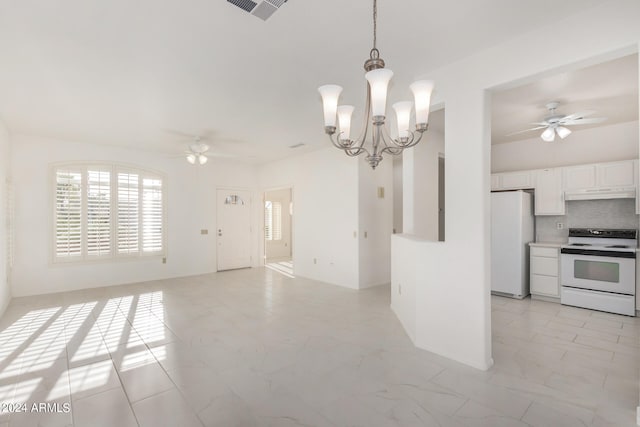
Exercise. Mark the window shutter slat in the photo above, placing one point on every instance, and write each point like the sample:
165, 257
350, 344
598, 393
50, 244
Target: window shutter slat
98, 213
68, 214
128, 207
277, 221
152, 221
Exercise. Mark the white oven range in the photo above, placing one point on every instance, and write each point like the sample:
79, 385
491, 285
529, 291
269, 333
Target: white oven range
598, 270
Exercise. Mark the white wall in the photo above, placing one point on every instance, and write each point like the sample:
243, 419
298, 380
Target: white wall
375, 222
601, 144
5, 155
325, 212
455, 281
280, 248
191, 194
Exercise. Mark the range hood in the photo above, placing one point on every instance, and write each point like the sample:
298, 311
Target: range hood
601, 193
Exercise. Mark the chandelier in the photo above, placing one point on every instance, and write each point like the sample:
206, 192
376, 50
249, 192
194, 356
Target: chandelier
380, 140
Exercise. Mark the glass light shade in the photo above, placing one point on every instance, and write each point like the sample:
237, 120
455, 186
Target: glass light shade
379, 81
344, 119
422, 90
403, 116
330, 95
548, 135
563, 132
191, 158
202, 159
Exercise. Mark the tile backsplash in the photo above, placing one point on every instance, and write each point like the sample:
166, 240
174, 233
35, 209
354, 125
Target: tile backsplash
614, 213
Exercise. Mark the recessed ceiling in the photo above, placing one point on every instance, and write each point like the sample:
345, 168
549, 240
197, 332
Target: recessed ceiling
610, 89
123, 73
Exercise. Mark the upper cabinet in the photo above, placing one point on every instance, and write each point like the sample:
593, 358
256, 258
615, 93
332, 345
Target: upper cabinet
512, 180
551, 184
600, 175
549, 197
579, 177
618, 174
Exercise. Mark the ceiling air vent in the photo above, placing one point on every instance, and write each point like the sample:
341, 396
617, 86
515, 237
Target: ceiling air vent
264, 10
247, 5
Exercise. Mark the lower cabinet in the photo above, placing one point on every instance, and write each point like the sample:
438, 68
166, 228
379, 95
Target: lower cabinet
543, 270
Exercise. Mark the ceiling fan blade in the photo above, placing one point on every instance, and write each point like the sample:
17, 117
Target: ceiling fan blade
526, 130
180, 133
578, 115
579, 121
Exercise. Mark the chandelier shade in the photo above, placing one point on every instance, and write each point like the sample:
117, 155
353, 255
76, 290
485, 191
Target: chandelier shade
344, 120
330, 95
422, 90
403, 117
378, 83
375, 139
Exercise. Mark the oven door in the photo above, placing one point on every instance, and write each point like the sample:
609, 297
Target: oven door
599, 273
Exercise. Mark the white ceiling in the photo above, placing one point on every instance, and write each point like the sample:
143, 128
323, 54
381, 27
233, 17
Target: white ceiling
610, 89
133, 73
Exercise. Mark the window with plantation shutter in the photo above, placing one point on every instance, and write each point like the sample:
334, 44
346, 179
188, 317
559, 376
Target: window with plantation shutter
273, 220
68, 214
268, 219
151, 215
128, 213
98, 213
107, 212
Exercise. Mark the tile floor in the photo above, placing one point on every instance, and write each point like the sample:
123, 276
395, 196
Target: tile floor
256, 348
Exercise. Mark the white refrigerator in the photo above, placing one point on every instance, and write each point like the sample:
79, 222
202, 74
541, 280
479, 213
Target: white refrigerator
512, 229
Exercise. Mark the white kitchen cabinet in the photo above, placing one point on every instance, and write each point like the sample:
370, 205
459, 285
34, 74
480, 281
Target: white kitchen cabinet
520, 180
549, 195
600, 175
616, 174
543, 271
495, 181
579, 177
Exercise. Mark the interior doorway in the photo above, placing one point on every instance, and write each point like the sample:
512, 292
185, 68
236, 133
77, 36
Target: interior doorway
278, 230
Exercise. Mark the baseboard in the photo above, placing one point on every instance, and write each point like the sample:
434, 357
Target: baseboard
638, 416
545, 298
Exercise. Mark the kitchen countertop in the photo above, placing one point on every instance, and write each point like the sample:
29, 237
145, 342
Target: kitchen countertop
546, 244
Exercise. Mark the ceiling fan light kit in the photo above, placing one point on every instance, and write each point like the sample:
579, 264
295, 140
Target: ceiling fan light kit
380, 142
197, 153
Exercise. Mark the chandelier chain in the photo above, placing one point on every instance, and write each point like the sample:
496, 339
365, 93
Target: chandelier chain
375, 23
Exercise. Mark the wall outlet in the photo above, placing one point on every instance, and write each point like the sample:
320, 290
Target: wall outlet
315, 261
399, 289
559, 225
380, 192
355, 234
164, 260
365, 234
204, 231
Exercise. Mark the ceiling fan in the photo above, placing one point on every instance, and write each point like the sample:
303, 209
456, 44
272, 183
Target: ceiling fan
197, 152
556, 123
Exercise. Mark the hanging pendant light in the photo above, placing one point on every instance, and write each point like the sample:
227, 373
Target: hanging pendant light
380, 141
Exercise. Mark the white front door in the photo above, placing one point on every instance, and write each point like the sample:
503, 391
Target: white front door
234, 229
